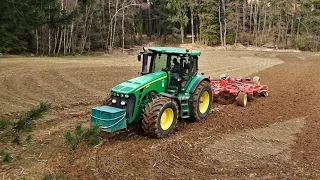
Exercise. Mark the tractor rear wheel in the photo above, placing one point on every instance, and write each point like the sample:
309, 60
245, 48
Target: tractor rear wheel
242, 99
160, 117
201, 101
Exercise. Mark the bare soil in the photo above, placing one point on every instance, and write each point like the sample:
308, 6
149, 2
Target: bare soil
272, 138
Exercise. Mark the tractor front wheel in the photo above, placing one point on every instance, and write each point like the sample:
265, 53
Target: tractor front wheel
201, 101
160, 117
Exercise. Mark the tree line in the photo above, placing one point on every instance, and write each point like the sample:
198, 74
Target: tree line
61, 27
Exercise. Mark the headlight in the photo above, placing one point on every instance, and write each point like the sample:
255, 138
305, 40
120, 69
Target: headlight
121, 95
114, 101
123, 103
126, 96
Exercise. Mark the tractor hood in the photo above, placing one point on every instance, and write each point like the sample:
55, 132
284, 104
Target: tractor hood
138, 83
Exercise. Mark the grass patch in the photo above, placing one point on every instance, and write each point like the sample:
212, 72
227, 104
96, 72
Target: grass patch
91, 136
24, 122
28, 139
5, 157
4, 124
52, 177
17, 140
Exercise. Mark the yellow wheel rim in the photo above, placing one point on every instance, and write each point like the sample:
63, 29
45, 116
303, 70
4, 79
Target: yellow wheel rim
204, 102
166, 119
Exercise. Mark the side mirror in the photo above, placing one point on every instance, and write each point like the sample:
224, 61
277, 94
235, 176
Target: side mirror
139, 57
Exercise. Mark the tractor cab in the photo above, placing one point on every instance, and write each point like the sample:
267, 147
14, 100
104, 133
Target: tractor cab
179, 64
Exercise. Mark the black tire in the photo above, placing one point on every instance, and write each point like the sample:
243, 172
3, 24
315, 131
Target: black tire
152, 117
196, 114
242, 99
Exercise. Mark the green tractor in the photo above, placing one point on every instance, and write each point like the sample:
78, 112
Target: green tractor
169, 88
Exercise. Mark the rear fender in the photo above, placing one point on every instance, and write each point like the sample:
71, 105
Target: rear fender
197, 82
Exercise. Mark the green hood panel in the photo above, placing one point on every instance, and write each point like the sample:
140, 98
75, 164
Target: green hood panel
138, 83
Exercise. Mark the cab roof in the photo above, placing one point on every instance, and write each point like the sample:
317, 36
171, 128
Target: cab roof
174, 50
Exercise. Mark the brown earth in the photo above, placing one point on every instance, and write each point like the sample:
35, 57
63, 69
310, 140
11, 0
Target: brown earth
272, 138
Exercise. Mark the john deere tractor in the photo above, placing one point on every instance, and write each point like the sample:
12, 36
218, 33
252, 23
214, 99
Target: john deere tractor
168, 89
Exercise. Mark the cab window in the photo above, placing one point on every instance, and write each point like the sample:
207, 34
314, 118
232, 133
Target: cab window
192, 66
160, 62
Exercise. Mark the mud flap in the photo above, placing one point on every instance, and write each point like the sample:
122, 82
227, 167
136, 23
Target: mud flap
110, 119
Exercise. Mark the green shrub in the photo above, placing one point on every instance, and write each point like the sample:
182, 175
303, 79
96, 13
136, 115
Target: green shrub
16, 140
26, 121
28, 139
70, 140
6, 157
91, 136
4, 124
52, 177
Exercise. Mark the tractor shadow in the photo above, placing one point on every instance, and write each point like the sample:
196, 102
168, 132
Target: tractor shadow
133, 130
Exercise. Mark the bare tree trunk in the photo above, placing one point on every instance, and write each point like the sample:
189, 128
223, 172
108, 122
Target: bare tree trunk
115, 25
292, 29
264, 24
225, 22
64, 41
49, 41
70, 39
149, 20
37, 42
255, 23
298, 32
250, 23
60, 41
192, 26
256, 26
89, 27
237, 28
286, 32
49, 36
220, 27
244, 14
123, 27
84, 32
110, 27
197, 29
279, 30
182, 32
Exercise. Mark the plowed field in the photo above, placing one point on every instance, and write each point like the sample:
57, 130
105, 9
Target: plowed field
272, 138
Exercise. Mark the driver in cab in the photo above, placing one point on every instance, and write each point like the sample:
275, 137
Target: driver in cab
176, 66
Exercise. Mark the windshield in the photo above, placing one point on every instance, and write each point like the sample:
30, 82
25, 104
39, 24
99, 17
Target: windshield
169, 62
160, 62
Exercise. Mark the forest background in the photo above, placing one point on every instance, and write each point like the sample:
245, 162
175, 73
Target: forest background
64, 27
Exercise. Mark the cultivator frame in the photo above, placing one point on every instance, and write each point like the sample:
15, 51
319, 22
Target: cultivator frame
241, 88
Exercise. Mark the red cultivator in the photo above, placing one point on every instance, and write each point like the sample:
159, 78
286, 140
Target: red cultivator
240, 88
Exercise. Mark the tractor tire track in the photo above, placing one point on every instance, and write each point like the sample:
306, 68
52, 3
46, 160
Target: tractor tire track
183, 158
